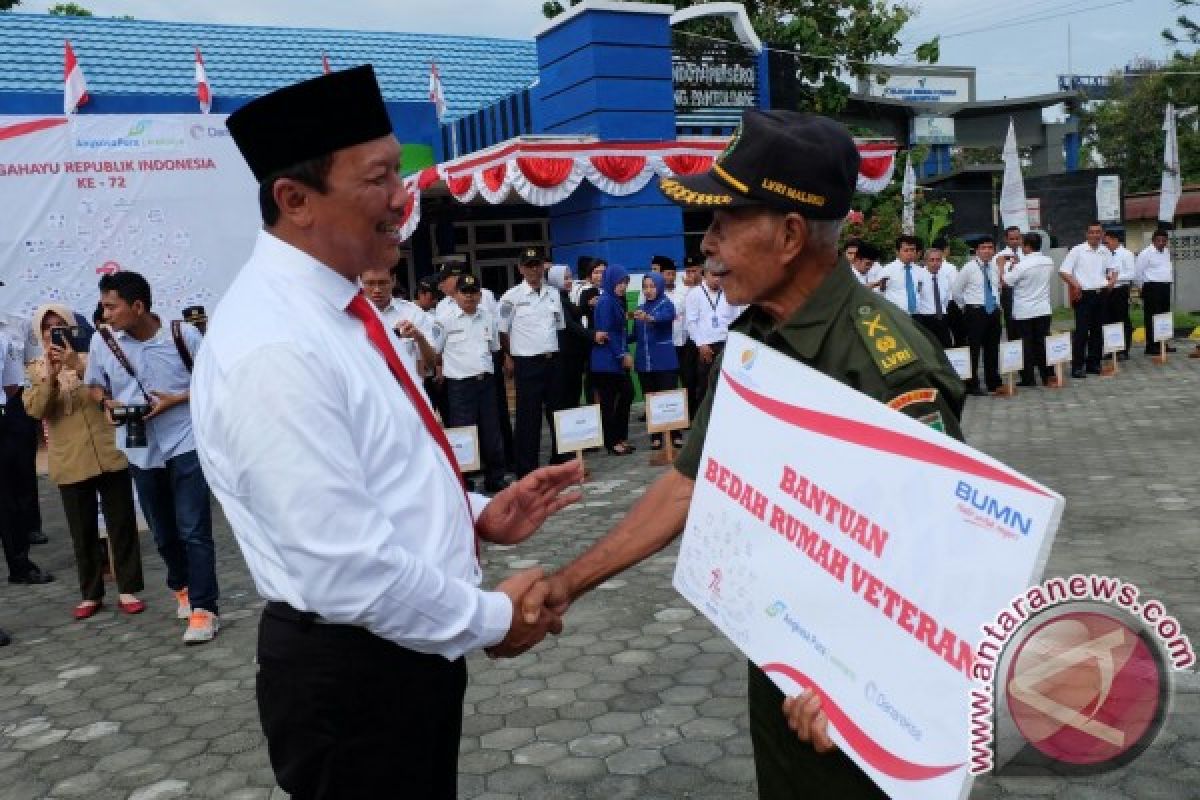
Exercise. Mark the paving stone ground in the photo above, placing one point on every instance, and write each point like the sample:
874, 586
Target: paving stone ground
640, 697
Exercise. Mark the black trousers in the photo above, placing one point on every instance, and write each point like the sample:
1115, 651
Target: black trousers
472, 401
15, 471
1032, 332
1118, 311
535, 377
348, 715
616, 397
788, 769
437, 395
957, 323
22, 434
938, 328
686, 353
1156, 299
983, 334
1006, 304
506, 426
568, 385
79, 506
703, 374
1087, 341
659, 381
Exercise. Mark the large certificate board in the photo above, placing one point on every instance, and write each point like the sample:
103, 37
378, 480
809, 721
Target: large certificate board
846, 546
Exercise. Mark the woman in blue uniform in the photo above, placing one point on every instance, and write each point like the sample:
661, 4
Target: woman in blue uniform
611, 362
655, 359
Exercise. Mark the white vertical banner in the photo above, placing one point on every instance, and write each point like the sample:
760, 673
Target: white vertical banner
1172, 186
1014, 208
166, 195
909, 192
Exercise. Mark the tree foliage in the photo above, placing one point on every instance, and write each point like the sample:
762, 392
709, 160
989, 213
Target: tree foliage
6, 5
1188, 31
832, 37
68, 10
1125, 131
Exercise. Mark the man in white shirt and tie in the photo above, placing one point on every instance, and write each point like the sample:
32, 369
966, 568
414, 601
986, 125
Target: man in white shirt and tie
1087, 271
977, 290
1154, 274
417, 330
707, 317
1012, 249
340, 486
937, 290
1029, 280
1118, 297
901, 281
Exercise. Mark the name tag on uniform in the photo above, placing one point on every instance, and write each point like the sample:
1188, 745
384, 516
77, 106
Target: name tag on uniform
715, 322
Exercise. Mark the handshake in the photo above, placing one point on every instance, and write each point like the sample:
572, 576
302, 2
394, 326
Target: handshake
539, 603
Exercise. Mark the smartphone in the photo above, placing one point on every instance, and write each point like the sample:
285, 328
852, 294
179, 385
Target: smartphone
61, 335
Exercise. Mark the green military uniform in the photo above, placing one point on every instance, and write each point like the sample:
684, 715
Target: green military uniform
855, 336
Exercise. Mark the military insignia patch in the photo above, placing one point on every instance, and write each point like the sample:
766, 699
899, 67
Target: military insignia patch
934, 421
912, 398
887, 346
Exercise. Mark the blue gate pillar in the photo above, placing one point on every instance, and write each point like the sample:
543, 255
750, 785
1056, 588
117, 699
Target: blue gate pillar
604, 69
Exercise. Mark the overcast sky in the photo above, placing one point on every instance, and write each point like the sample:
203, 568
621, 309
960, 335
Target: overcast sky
1021, 59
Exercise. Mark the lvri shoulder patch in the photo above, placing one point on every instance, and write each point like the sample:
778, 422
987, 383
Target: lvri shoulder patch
934, 421
912, 398
887, 346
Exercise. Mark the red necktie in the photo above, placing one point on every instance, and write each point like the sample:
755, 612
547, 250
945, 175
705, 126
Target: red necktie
361, 308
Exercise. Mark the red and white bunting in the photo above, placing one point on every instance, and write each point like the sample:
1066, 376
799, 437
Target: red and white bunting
203, 90
877, 167
437, 95
325, 64
75, 91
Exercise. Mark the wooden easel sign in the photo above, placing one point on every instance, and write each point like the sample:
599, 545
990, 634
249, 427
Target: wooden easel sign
1113, 336
1012, 361
666, 412
960, 359
1164, 330
1058, 354
578, 429
464, 442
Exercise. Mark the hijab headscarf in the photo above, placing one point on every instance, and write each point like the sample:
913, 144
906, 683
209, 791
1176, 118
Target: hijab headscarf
68, 379
557, 276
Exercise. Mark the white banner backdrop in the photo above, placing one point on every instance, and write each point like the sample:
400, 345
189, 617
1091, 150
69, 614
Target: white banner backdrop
168, 196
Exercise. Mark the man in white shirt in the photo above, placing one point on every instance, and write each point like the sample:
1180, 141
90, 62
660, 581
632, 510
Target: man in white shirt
418, 331
1118, 297
467, 345
933, 304
531, 315
976, 290
1029, 280
339, 484
1087, 271
1154, 274
1012, 249
707, 317
865, 264
685, 350
901, 280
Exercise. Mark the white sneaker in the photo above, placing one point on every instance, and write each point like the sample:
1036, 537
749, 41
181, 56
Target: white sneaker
184, 609
202, 627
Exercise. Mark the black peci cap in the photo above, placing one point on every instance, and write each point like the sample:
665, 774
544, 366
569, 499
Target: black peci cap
427, 285
787, 160
693, 261
194, 314
532, 255
467, 283
309, 119
663, 262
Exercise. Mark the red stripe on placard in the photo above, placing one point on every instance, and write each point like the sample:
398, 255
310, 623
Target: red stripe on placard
876, 438
871, 751
32, 126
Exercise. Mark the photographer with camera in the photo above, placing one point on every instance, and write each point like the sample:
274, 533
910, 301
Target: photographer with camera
148, 367
84, 460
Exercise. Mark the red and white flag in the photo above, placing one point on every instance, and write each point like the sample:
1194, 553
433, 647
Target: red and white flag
75, 91
436, 95
325, 63
203, 90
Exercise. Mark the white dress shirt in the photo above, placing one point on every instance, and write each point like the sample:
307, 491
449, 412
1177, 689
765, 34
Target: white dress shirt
159, 368
678, 298
468, 343
401, 310
896, 289
487, 302
1123, 262
1030, 282
944, 280
1154, 266
873, 272
12, 364
342, 502
531, 319
861, 277
707, 315
968, 283
1088, 266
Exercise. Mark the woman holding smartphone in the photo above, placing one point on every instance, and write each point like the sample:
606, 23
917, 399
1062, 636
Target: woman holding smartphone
84, 462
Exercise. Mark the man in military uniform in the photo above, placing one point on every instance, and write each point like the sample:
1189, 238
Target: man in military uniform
779, 194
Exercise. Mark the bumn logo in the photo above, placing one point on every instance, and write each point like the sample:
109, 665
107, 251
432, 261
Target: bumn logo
992, 508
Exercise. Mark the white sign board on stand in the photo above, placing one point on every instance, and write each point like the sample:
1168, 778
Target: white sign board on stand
960, 359
1058, 349
464, 442
1164, 326
578, 429
1113, 337
1012, 356
827, 577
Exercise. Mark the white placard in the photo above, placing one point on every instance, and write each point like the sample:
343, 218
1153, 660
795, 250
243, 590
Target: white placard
464, 442
817, 570
1012, 356
1164, 326
666, 411
1108, 198
1114, 337
578, 429
1058, 349
960, 359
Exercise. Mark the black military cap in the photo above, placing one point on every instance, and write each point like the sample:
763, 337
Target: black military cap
426, 285
468, 284
194, 314
693, 261
788, 160
663, 262
450, 270
532, 255
309, 119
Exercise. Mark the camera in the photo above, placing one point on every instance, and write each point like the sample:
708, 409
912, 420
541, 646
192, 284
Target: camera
134, 420
62, 335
